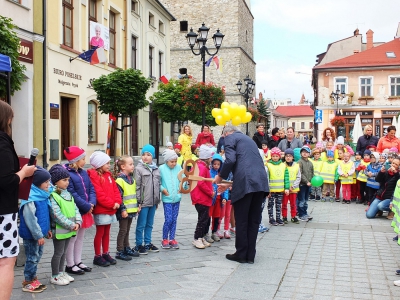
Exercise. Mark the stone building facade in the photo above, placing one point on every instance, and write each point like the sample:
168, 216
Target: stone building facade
235, 21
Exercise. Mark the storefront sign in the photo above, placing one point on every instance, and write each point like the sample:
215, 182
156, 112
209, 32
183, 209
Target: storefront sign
354, 113
390, 112
25, 50
54, 111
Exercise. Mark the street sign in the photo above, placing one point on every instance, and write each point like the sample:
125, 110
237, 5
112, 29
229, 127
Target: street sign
318, 116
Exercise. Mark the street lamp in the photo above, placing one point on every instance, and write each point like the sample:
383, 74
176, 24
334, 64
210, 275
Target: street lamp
336, 97
200, 40
249, 86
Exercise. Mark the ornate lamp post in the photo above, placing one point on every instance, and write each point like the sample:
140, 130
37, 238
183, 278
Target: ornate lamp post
336, 97
199, 40
249, 86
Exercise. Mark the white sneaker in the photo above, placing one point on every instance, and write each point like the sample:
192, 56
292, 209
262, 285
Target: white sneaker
396, 283
198, 243
215, 237
208, 238
205, 243
59, 280
66, 276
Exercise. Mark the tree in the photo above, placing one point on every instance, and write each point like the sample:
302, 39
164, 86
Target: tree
264, 113
167, 102
122, 92
9, 43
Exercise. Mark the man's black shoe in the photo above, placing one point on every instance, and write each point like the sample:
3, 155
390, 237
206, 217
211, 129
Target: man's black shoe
250, 261
235, 258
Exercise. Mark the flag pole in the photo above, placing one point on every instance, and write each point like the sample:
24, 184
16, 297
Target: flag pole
71, 59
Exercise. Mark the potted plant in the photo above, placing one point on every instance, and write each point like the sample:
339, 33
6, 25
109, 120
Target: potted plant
337, 121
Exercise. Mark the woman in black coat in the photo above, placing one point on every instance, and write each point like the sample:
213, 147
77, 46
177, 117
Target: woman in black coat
274, 140
367, 139
10, 178
259, 135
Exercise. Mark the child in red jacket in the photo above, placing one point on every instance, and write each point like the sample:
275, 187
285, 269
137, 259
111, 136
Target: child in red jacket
202, 196
108, 201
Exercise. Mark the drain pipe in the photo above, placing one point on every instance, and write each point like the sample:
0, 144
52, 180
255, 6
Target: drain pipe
44, 27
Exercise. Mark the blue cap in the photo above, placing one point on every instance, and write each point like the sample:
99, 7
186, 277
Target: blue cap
149, 149
305, 148
329, 153
368, 152
289, 151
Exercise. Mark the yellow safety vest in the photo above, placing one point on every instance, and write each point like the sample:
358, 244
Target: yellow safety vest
328, 172
293, 171
129, 196
361, 176
317, 166
396, 208
276, 177
346, 167
67, 208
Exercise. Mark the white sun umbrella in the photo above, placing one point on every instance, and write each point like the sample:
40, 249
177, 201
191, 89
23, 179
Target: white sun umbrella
394, 122
357, 129
398, 128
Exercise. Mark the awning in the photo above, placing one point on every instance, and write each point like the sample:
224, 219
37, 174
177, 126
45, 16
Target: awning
5, 63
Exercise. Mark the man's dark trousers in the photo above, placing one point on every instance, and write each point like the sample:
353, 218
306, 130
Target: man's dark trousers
247, 217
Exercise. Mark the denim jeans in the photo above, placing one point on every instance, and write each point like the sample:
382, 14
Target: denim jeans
33, 254
376, 206
144, 226
302, 200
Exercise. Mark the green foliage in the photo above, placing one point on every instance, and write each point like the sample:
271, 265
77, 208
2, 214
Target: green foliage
198, 94
122, 92
264, 113
9, 43
167, 102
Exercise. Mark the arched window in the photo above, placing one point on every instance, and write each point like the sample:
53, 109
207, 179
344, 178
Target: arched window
92, 122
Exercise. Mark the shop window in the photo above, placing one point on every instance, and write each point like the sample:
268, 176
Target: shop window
394, 86
67, 24
366, 87
92, 122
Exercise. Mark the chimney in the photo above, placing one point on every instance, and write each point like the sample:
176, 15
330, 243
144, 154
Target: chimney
356, 32
370, 39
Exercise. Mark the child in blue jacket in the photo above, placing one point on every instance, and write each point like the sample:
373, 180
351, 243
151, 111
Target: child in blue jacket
171, 197
81, 188
372, 171
218, 201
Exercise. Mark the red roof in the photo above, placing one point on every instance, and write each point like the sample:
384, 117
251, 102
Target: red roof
295, 111
375, 56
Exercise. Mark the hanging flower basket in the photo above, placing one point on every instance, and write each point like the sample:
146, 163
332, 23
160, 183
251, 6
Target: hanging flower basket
337, 121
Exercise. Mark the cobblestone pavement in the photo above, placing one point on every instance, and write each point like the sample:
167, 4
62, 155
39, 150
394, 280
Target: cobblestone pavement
338, 255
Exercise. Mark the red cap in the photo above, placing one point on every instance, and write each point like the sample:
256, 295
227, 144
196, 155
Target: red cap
74, 153
178, 146
194, 147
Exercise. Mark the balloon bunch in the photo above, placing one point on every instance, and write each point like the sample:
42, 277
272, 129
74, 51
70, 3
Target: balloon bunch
232, 112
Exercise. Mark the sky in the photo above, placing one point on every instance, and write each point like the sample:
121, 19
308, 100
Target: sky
288, 34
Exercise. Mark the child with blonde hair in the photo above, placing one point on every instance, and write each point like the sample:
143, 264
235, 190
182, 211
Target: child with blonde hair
330, 176
292, 189
317, 163
129, 207
345, 170
362, 176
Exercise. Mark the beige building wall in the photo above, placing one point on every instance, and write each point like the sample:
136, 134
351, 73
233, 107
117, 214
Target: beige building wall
302, 124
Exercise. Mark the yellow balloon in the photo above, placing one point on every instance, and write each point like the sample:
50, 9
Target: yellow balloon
247, 117
234, 109
225, 114
241, 110
216, 112
225, 105
236, 120
220, 120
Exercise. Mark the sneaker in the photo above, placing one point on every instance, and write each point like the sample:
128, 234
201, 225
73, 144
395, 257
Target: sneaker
174, 244
227, 234
165, 244
260, 229
309, 217
348, 201
205, 243
232, 230
396, 238
396, 283
318, 198
344, 202
331, 200
215, 237
40, 285
312, 197
295, 220
131, 252
100, 261
122, 256
397, 272
323, 199
285, 221
359, 201
220, 234
66, 276
151, 248
198, 243
208, 238
273, 222
59, 280
304, 218
108, 258
141, 250
280, 222
32, 286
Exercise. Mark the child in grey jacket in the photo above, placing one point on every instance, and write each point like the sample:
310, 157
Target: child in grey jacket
147, 178
307, 173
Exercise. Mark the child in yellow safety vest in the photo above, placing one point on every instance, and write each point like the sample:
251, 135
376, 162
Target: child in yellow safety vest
330, 176
317, 163
329, 146
292, 189
346, 170
278, 175
338, 184
129, 207
362, 176
65, 221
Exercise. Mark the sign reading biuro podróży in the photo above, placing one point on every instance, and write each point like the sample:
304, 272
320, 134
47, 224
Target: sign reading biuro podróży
318, 116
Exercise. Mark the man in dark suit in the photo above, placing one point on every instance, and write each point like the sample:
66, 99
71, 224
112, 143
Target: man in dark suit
250, 187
